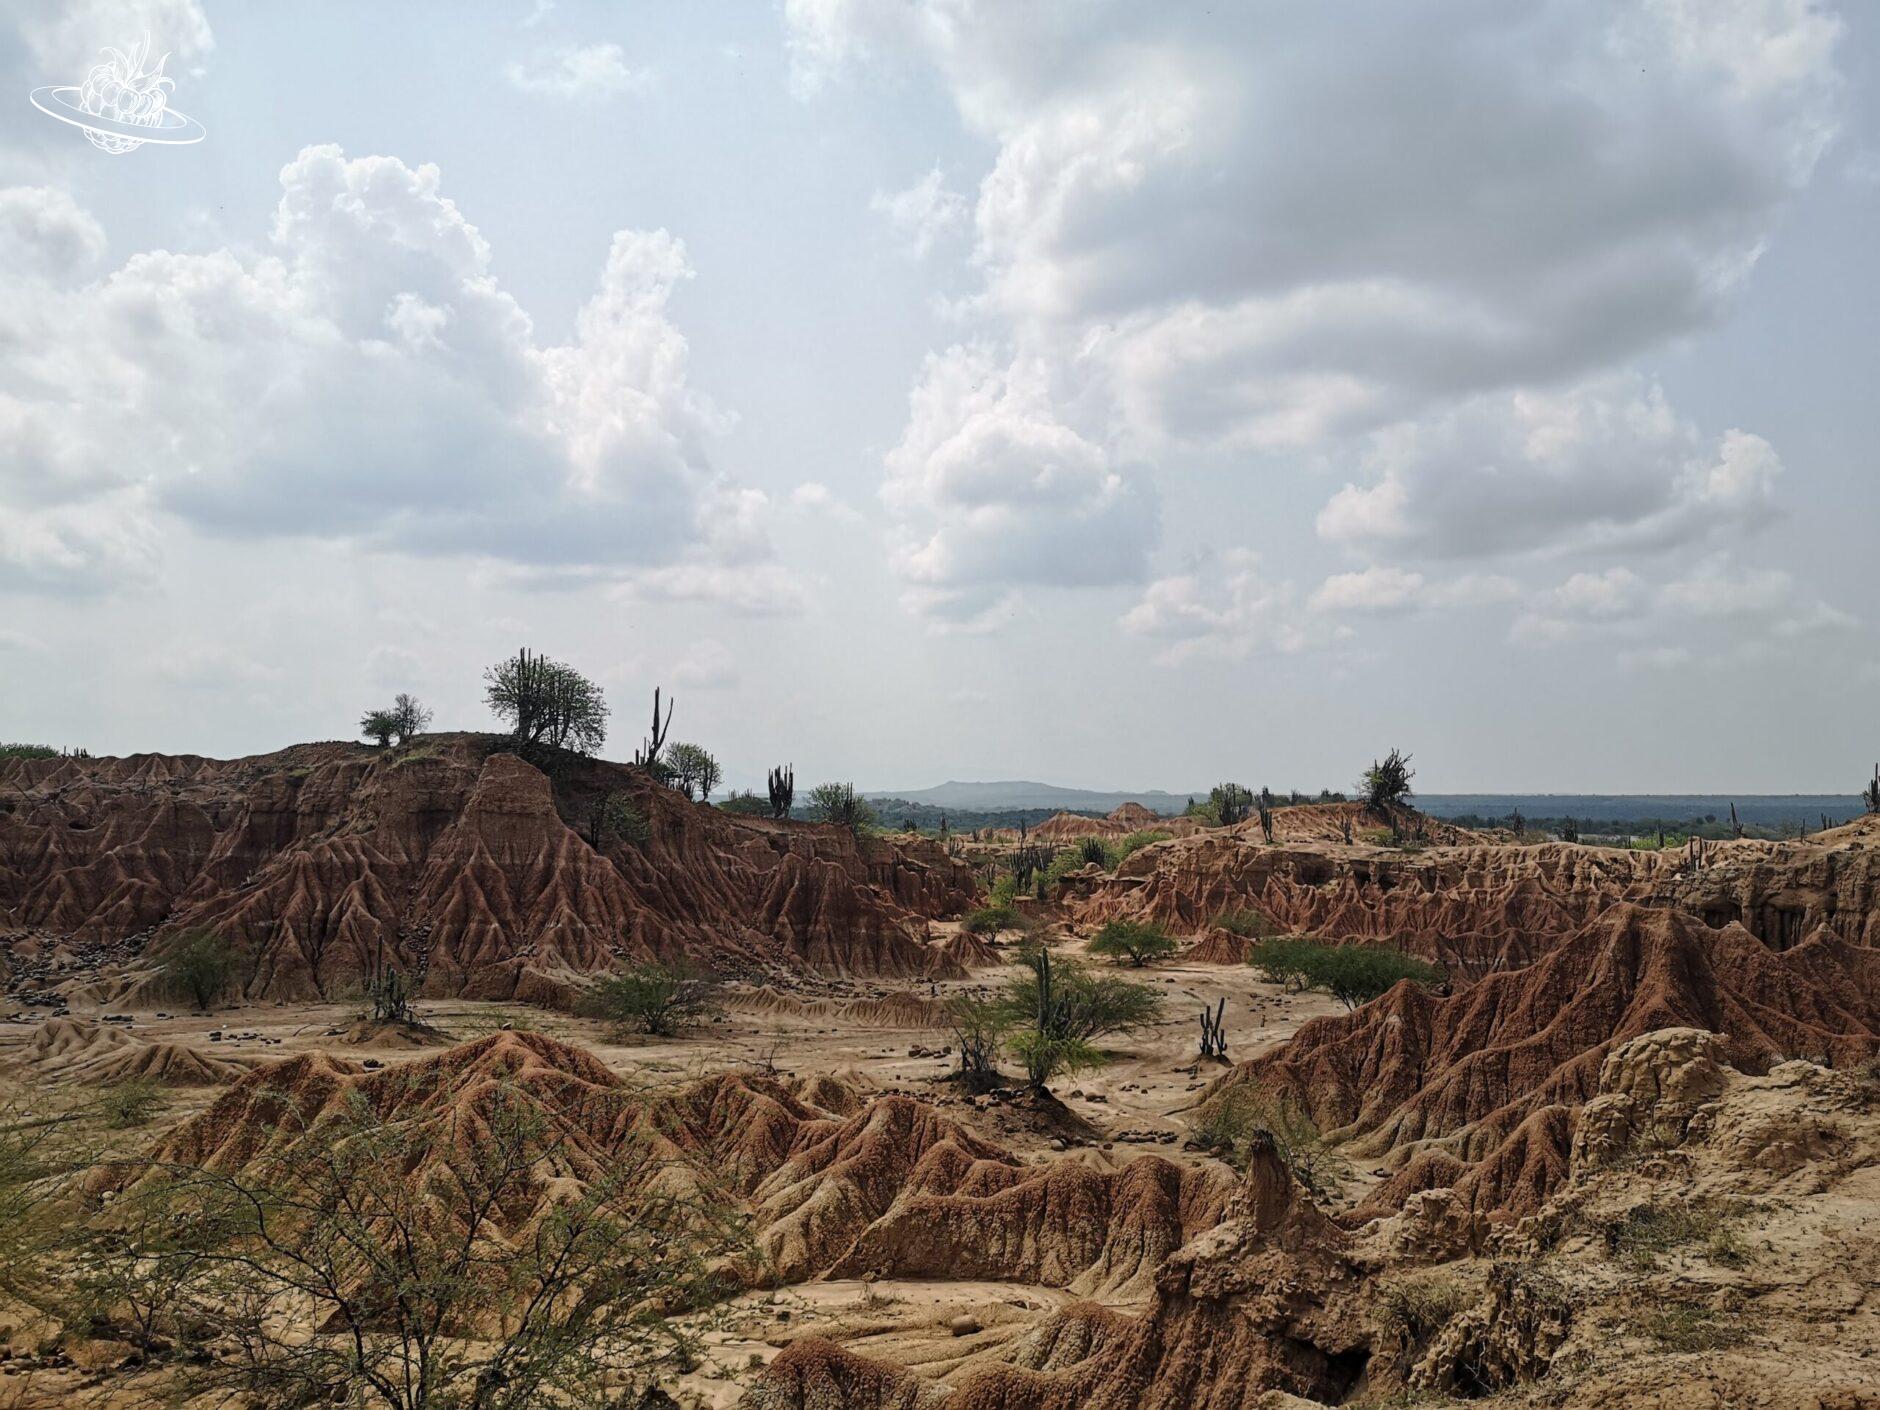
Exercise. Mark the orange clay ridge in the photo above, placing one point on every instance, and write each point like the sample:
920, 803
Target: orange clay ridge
1625, 1151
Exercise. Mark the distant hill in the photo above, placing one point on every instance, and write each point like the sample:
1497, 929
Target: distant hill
1024, 795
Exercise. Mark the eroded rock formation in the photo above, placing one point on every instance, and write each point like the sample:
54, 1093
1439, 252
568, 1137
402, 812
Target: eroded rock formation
453, 860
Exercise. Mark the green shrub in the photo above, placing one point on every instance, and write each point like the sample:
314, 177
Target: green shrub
747, 805
1005, 889
1136, 841
1137, 941
1688, 1326
1645, 1231
616, 818
978, 1026
1045, 1057
1387, 784
1229, 1124
1356, 974
1283, 959
1352, 974
28, 751
651, 998
1064, 999
1247, 923
837, 803
129, 1103
200, 965
990, 920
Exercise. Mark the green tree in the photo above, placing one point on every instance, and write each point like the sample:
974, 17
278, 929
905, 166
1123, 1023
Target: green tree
694, 771
1137, 941
379, 725
1057, 1008
837, 803
410, 718
1385, 785
978, 1027
420, 1265
1352, 974
654, 998
200, 964
547, 703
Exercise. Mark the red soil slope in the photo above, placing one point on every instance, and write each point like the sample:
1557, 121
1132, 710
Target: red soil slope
469, 866
1488, 1077
1479, 908
886, 1185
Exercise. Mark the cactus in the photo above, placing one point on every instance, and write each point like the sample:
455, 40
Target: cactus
1871, 794
1214, 1032
782, 790
647, 755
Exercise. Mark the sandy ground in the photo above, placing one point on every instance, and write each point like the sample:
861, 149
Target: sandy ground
1138, 1098
1136, 1103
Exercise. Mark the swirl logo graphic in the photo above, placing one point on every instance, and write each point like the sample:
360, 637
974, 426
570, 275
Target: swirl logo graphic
121, 105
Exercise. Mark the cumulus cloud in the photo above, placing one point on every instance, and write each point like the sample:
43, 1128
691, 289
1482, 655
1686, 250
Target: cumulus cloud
925, 213
1224, 607
1205, 193
707, 665
44, 234
1252, 230
1384, 590
1713, 608
995, 493
1599, 466
578, 71
365, 379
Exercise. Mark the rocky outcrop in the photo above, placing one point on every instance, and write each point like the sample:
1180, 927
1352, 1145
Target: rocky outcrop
1262, 1301
1494, 1076
453, 861
1476, 909
1479, 907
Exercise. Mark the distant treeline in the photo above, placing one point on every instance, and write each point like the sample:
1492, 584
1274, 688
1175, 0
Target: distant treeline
896, 813
1675, 831
1615, 811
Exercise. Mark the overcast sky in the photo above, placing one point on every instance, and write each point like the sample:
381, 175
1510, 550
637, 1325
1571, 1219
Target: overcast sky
1118, 394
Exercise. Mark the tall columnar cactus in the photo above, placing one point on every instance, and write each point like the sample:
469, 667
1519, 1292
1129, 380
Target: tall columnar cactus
1214, 1032
782, 790
647, 755
1871, 794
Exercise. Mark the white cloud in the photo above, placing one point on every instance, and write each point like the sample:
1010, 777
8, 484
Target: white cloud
925, 213
1246, 229
814, 497
1381, 589
1600, 466
45, 235
578, 71
366, 380
1201, 200
1224, 607
707, 665
994, 492
64, 36
1714, 610
1615, 593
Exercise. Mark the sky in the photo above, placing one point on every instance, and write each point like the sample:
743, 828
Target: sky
1126, 395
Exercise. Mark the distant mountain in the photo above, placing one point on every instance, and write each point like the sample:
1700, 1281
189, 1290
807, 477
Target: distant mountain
1015, 795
